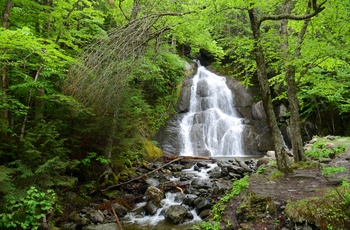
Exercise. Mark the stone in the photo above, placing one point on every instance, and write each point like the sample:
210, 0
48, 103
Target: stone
79, 219
95, 216
200, 183
120, 210
204, 204
68, 226
258, 111
205, 213
189, 199
154, 195
177, 214
151, 208
108, 226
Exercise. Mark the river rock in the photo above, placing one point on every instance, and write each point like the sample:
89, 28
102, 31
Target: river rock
200, 183
204, 214
79, 219
189, 199
203, 204
108, 226
151, 208
154, 195
120, 210
177, 214
95, 216
68, 226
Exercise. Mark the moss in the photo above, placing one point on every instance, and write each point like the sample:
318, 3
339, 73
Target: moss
152, 152
277, 174
255, 208
325, 212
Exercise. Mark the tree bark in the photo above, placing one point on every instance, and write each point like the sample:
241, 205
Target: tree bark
6, 14
292, 89
4, 113
280, 151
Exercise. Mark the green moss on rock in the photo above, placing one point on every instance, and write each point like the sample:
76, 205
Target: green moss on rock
152, 152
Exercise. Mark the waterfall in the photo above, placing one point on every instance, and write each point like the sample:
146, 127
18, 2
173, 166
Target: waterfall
211, 127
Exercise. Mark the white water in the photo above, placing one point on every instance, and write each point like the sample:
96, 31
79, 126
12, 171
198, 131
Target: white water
212, 126
169, 200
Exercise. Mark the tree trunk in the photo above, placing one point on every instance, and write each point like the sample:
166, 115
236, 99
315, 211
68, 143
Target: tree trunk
6, 14
295, 127
4, 113
280, 151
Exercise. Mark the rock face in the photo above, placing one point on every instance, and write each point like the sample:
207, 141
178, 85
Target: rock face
256, 136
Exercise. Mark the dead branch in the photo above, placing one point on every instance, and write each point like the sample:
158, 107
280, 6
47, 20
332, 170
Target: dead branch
117, 219
157, 169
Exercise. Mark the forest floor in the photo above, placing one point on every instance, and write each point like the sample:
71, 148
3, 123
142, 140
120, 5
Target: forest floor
264, 207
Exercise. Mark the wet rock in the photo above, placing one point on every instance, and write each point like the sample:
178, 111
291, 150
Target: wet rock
189, 199
79, 219
120, 210
151, 208
202, 164
203, 204
154, 195
235, 169
68, 226
109, 226
215, 173
200, 183
205, 213
95, 216
245, 167
177, 214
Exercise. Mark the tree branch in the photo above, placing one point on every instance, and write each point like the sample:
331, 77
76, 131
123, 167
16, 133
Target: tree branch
317, 10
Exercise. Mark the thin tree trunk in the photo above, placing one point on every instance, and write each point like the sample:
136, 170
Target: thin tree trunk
29, 103
6, 14
295, 127
4, 113
280, 151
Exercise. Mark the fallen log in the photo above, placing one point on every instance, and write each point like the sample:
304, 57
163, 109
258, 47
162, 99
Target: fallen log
174, 159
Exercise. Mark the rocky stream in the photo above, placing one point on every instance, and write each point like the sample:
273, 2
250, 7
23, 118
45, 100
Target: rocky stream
168, 194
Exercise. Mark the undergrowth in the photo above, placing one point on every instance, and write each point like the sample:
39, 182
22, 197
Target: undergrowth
219, 208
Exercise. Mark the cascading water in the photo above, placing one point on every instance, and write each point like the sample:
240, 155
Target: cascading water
212, 126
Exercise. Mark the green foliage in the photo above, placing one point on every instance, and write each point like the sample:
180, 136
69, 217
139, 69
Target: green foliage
93, 156
237, 187
5, 179
26, 212
277, 174
319, 150
328, 171
261, 170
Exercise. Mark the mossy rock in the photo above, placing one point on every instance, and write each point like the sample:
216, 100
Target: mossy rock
152, 152
330, 211
254, 207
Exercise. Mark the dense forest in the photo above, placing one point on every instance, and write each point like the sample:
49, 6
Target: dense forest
86, 84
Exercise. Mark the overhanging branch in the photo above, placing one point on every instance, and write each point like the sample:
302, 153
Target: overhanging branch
317, 9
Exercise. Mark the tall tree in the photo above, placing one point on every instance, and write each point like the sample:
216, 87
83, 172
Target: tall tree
4, 114
255, 21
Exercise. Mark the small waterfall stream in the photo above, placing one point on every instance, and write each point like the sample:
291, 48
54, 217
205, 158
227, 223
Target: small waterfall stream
211, 127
